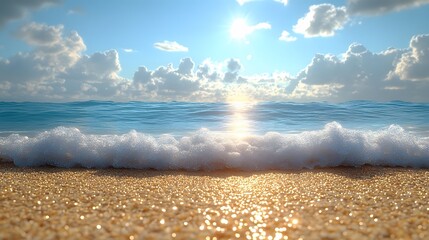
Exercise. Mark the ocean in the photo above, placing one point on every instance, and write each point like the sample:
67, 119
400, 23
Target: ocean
213, 136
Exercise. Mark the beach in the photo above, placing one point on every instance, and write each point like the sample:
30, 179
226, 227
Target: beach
340, 203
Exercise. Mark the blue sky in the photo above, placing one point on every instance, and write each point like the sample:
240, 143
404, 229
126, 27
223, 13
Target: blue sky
219, 50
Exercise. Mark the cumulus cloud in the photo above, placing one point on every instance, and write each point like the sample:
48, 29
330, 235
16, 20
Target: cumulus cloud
357, 74
170, 46
357, 65
209, 71
233, 65
57, 69
207, 83
13, 9
233, 68
40, 34
186, 66
413, 65
61, 71
51, 48
95, 75
321, 21
53, 53
371, 7
286, 37
362, 74
167, 82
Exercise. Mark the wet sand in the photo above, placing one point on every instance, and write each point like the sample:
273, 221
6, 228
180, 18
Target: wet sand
346, 203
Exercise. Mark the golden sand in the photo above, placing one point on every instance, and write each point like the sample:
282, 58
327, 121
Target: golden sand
346, 203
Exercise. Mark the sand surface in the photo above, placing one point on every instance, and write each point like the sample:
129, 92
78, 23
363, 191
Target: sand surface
346, 203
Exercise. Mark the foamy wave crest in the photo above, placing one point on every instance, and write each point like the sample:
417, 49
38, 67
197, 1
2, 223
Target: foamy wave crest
206, 150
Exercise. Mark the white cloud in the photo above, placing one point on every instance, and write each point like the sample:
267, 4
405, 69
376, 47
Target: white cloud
233, 68
52, 49
76, 10
166, 82
262, 25
13, 9
61, 71
240, 29
357, 65
186, 66
207, 83
40, 34
361, 74
95, 75
242, 2
414, 65
322, 21
100, 64
357, 74
57, 69
128, 50
209, 71
371, 7
286, 37
284, 2
233, 65
170, 46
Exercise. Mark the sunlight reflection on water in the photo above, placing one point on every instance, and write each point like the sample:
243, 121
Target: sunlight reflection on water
239, 124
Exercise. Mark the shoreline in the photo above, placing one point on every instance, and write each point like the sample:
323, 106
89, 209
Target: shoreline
341, 202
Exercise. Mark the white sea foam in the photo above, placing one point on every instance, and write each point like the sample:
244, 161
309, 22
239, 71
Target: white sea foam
206, 150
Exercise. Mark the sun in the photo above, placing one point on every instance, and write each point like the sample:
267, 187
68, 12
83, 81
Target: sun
239, 29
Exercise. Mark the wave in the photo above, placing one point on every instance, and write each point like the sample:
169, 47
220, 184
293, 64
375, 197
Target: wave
207, 150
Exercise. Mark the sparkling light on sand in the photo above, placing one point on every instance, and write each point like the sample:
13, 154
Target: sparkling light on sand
341, 203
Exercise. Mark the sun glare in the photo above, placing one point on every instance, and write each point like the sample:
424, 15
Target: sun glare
240, 101
239, 29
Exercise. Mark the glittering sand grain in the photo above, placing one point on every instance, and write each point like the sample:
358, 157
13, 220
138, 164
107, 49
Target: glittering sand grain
346, 203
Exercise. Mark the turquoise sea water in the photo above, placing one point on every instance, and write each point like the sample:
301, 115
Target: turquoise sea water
194, 136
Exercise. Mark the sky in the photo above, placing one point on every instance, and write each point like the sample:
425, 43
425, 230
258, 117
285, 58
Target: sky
214, 50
